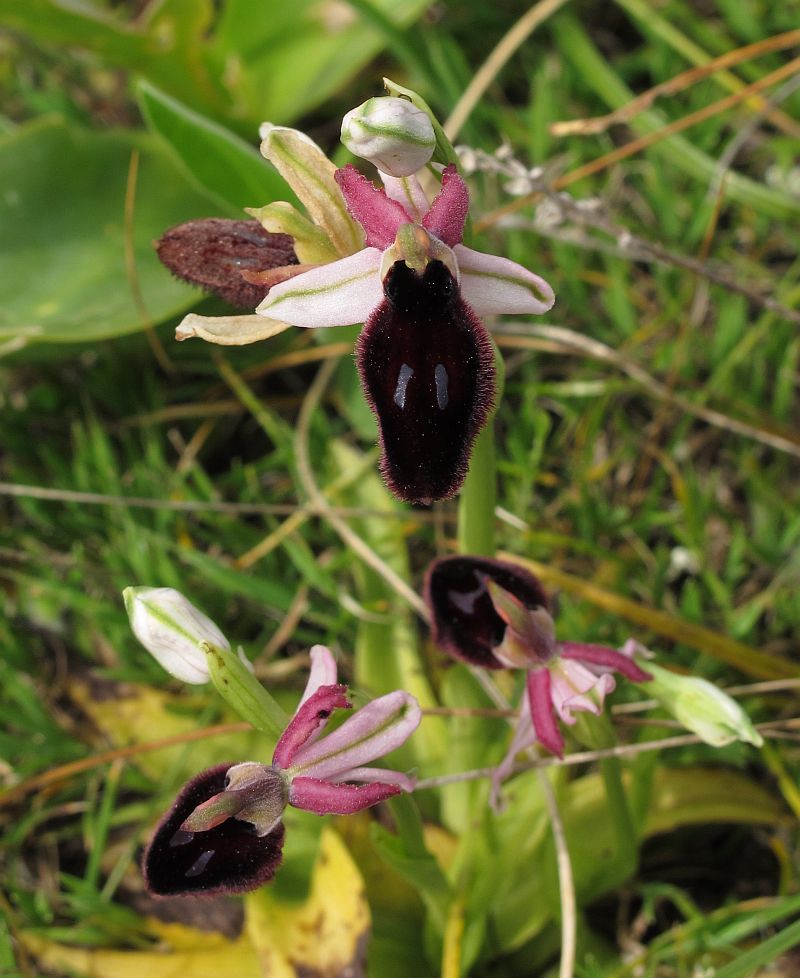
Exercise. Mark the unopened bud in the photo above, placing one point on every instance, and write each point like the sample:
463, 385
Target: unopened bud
391, 133
701, 707
173, 631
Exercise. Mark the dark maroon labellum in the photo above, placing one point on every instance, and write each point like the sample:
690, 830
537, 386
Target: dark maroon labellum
214, 251
427, 367
464, 620
230, 858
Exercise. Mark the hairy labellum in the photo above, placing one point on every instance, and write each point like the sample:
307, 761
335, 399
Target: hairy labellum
214, 252
427, 367
229, 858
465, 621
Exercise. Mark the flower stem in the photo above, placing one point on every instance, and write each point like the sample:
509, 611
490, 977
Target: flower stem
479, 493
477, 501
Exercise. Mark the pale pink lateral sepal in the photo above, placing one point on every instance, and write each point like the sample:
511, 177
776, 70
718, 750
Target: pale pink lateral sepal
599, 658
542, 715
323, 672
370, 774
573, 688
340, 293
379, 215
448, 212
408, 192
492, 284
324, 798
375, 730
307, 722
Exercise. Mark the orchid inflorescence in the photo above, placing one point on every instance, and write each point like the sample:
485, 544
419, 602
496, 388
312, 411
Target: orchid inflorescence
394, 259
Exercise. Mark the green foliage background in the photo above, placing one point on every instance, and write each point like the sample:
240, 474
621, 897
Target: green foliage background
653, 470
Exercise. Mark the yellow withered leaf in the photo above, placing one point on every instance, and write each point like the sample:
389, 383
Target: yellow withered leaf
324, 937
192, 952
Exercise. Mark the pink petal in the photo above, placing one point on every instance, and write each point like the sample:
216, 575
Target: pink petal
340, 293
375, 730
408, 192
367, 775
491, 284
448, 212
607, 659
324, 798
379, 215
309, 719
323, 672
542, 716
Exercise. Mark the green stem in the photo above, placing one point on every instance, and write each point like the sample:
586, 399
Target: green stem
477, 501
479, 493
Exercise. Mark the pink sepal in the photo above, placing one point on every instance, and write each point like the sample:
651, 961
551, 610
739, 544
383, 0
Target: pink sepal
366, 775
493, 284
379, 215
376, 729
607, 659
323, 672
339, 293
308, 720
448, 212
542, 715
325, 798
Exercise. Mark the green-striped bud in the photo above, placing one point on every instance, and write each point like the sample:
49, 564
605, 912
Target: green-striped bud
391, 133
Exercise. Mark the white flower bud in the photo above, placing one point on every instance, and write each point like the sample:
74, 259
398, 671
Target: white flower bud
172, 630
701, 707
391, 133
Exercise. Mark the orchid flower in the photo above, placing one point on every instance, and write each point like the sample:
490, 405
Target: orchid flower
495, 614
425, 359
224, 833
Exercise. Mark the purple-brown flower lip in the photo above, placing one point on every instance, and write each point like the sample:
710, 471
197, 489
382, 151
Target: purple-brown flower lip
229, 858
425, 359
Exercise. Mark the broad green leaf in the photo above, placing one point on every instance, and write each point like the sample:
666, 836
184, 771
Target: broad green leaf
292, 55
167, 43
408, 855
62, 234
695, 795
219, 162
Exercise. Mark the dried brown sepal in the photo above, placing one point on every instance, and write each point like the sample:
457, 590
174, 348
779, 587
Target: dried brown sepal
214, 252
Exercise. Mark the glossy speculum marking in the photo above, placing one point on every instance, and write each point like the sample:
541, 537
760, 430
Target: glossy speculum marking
427, 366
